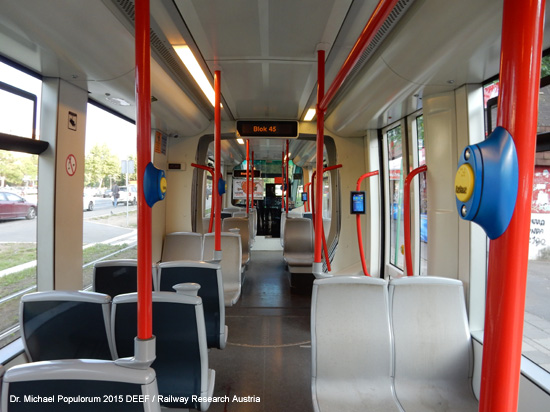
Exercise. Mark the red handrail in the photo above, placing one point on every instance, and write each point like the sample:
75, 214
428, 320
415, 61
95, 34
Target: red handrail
247, 177
306, 205
320, 140
287, 178
217, 163
407, 222
282, 181
358, 221
252, 178
143, 123
322, 231
379, 15
213, 207
521, 44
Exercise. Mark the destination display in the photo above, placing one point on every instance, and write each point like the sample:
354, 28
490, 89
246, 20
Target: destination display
264, 128
242, 173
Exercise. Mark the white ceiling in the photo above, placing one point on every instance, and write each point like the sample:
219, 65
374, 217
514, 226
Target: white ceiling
266, 51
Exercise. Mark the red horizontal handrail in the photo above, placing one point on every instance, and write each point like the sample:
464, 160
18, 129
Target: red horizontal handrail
358, 221
407, 223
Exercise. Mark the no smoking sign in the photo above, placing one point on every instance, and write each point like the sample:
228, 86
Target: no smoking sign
70, 165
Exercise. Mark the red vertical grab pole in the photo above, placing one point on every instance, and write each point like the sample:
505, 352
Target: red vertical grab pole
283, 180
522, 33
287, 177
308, 197
217, 165
247, 177
358, 222
252, 175
317, 264
143, 126
407, 222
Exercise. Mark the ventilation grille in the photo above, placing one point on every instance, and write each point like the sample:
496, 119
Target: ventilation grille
157, 43
165, 55
127, 6
398, 11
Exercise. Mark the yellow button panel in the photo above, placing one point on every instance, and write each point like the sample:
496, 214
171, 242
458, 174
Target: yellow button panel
163, 185
464, 182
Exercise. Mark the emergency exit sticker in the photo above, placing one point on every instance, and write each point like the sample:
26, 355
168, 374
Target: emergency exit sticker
70, 165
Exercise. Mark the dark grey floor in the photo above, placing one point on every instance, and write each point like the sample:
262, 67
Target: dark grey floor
268, 355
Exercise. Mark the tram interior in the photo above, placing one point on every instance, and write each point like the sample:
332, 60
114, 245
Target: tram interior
271, 333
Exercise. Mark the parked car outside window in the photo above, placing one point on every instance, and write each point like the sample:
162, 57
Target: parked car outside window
127, 194
13, 206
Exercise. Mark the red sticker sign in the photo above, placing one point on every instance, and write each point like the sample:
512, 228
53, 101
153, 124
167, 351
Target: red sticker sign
70, 165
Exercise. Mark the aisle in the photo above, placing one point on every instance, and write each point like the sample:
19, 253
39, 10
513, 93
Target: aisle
267, 362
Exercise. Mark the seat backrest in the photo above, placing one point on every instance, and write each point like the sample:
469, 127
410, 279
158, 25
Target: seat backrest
350, 330
209, 276
239, 213
182, 246
241, 223
106, 386
115, 277
181, 362
298, 238
65, 325
232, 256
291, 215
430, 328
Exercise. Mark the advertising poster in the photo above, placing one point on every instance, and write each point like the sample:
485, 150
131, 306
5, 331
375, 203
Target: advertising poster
239, 189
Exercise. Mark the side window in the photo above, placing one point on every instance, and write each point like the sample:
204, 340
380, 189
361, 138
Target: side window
109, 174
19, 94
405, 151
423, 196
394, 143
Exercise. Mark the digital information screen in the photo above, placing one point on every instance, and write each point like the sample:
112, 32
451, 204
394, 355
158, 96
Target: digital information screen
264, 128
304, 196
357, 203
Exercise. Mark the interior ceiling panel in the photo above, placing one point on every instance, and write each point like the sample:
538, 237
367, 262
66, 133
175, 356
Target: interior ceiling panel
302, 152
266, 50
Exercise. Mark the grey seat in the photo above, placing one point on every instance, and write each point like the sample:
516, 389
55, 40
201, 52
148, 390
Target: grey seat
241, 223
109, 387
209, 276
65, 325
182, 246
298, 245
116, 277
433, 348
230, 263
351, 345
232, 209
291, 215
181, 362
